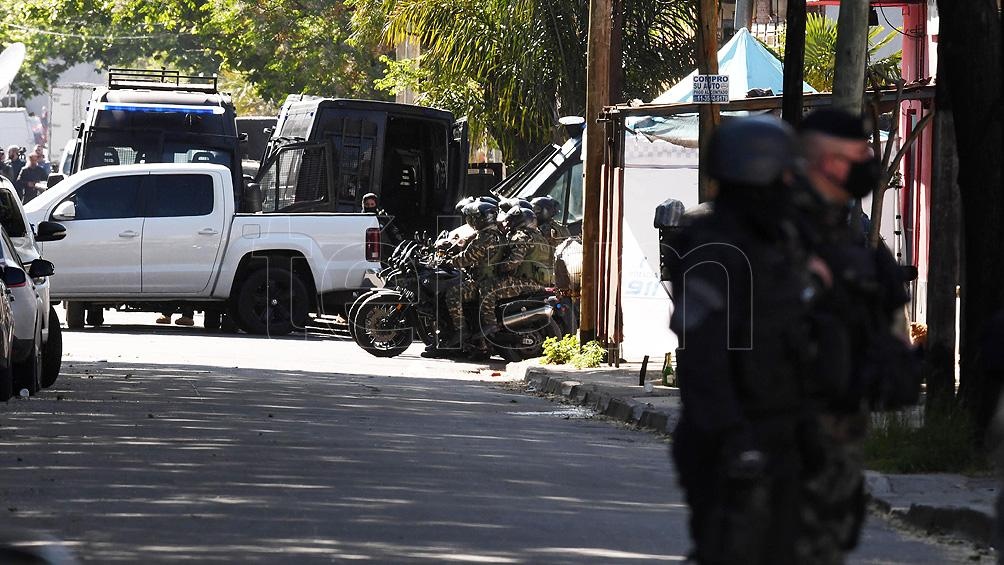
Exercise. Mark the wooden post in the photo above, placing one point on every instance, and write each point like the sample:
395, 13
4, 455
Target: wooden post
597, 96
852, 46
794, 63
707, 64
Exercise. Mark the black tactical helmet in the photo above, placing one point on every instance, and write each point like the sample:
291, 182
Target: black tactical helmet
518, 217
510, 203
462, 203
752, 152
480, 215
545, 207
488, 198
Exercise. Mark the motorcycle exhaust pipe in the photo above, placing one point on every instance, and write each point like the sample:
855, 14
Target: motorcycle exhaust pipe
541, 314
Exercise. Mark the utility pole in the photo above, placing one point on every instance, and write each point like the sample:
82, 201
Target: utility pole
852, 47
597, 96
794, 63
707, 64
744, 14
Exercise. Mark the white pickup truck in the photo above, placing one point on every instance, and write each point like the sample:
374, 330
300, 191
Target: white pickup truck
152, 236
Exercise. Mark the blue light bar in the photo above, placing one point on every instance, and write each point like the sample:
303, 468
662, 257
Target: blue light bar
161, 108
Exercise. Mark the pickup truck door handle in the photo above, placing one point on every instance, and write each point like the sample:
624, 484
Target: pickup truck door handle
208, 231
129, 234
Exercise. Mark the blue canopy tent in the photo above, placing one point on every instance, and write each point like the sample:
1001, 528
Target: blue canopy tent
749, 66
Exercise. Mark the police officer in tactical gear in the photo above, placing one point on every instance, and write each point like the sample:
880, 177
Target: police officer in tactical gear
389, 232
547, 210
526, 265
861, 361
477, 258
509, 203
740, 315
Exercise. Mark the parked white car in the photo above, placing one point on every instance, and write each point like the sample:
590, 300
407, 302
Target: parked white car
24, 241
166, 235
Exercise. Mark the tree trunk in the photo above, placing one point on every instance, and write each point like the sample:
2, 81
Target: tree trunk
970, 46
707, 64
943, 256
852, 45
794, 63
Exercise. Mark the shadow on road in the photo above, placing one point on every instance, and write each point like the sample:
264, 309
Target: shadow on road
140, 463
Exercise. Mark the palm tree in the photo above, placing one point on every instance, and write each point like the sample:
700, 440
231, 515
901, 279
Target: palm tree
515, 66
821, 49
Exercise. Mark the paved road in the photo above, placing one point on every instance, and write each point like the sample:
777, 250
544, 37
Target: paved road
164, 444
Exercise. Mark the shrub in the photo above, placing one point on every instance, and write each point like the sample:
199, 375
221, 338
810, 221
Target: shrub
566, 350
591, 355
559, 351
943, 443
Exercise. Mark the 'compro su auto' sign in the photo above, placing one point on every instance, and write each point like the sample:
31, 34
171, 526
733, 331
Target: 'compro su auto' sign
711, 89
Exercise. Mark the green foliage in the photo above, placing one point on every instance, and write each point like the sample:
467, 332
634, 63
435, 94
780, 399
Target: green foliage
515, 66
591, 355
559, 351
566, 350
821, 49
943, 443
293, 46
263, 50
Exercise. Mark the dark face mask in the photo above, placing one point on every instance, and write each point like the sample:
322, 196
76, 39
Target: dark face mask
369, 209
863, 178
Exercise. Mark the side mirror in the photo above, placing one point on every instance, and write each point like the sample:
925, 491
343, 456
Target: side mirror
12, 276
50, 231
41, 268
253, 198
54, 179
65, 211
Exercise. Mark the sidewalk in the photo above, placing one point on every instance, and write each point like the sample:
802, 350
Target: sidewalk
934, 503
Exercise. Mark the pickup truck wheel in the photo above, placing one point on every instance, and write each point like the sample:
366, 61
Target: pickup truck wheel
75, 315
212, 320
52, 351
272, 301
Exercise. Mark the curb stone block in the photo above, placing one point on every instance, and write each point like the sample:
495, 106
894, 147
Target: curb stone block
966, 522
619, 409
653, 419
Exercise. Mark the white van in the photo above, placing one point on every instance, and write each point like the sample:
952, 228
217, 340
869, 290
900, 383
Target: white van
16, 128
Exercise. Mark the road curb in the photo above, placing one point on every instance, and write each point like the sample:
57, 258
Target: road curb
622, 403
971, 523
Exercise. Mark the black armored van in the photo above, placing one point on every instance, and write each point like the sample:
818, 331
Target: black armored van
326, 153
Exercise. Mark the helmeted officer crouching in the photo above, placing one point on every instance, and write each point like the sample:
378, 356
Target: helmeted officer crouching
742, 293
477, 258
525, 266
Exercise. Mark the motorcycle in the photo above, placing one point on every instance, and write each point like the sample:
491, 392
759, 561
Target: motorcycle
385, 321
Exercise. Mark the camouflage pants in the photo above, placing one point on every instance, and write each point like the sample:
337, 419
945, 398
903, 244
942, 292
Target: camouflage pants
503, 289
456, 297
833, 498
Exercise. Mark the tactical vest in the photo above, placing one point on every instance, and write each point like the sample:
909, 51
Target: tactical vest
538, 265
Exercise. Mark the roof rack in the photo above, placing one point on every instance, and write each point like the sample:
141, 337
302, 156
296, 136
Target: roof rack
160, 79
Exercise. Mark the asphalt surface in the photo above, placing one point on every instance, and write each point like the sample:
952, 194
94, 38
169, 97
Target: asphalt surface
163, 444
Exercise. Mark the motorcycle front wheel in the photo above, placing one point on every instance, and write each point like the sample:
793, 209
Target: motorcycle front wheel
382, 327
